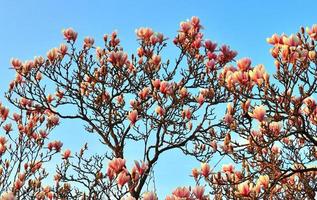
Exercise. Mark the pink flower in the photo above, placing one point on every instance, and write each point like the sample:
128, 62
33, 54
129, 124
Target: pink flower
133, 103
195, 21
210, 45
205, 169
123, 178
69, 34
185, 27
275, 39
156, 83
228, 168
195, 173
140, 51
258, 74
226, 54
159, 110
120, 99
245, 105
66, 154
313, 32
292, 40
210, 65
156, 60
88, 42
264, 180
275, 149
52, 120
200, 99
140, 169
24, 102
244, 189
171, 197
18, 184
181, 192
110, 173
8, 127
62, 49
100, 52
144, 33
118, 58
133, 116
164, 87
258, 113
3, 147
52, 54
16, 63
240, 77
117, 164
199, 192
144, 93
186, 113
189, 125
38, 60
228, 119
310, 102
183, 92
57, 145
36, 166
244, 64
275, 128
16, 117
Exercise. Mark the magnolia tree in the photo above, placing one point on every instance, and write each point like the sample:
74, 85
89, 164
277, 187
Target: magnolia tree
267, 135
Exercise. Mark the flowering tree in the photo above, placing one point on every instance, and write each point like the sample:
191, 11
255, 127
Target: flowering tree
271, 126
268, 131
24, 153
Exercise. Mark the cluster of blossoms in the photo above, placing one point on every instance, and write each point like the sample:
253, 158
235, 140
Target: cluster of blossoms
117, 170
23, 152
288, 49
229, 175
244, 75
148, 36
189, 36
164, 89
310, 109
190, 39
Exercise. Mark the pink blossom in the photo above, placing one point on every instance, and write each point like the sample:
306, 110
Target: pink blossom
123, 178
228, 168
199, 192
181, 192
133, 116
70, 34
205, 169
88, 42
258, 113
117, 164
244, 64
244, 189
159, 110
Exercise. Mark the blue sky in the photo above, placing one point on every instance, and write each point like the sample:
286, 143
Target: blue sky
30, 28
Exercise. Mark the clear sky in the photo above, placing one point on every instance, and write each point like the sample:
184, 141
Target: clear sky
30, 28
